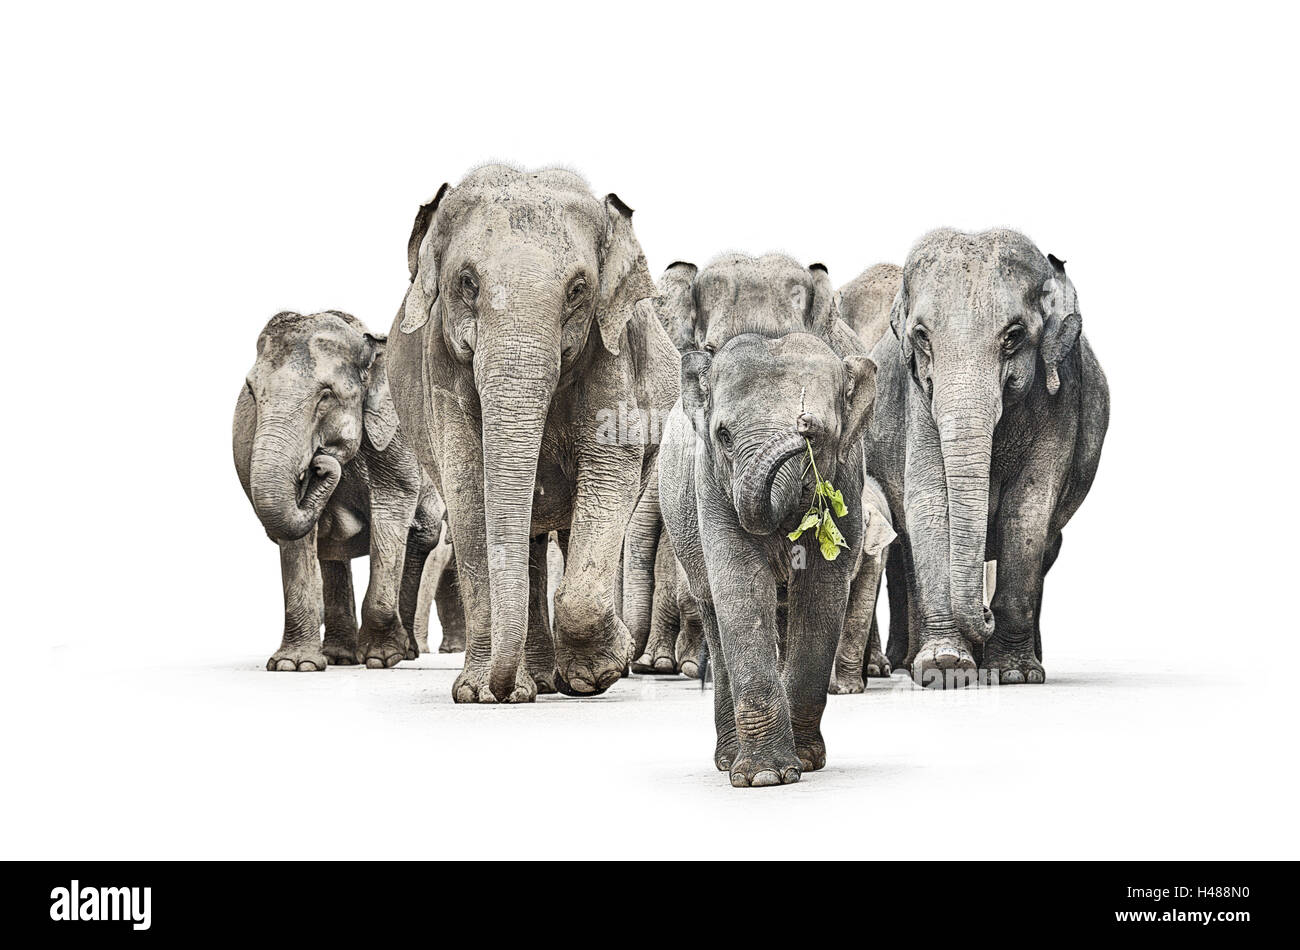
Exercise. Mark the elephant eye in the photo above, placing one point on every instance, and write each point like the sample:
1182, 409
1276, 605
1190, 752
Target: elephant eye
576, 291
921, 339
468, 288
710, 348
1012, 339
724, 436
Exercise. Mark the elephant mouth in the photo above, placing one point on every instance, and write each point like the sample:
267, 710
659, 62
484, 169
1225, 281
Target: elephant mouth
317, 482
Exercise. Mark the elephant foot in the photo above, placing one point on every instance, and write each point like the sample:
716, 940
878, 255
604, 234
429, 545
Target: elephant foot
1009, 666
758, 771
690, 669
811, 749
545, 680
944, 663
300, 659
340, 653
589, 667
422, 642
471, 686
452, 644
381, 649
726, 752
876, 666
845, 683
657, 660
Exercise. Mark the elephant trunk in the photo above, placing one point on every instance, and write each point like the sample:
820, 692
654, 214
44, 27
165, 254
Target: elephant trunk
767, 489
287, 496
966, 441
515, 404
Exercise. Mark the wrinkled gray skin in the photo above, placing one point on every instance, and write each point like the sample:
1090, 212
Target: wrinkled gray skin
515, 339
319, 454
990, 416
732, 484
438, 590
864, 303
773, 295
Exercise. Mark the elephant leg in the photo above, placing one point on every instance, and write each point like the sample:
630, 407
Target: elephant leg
690, 637
383, 642
592, 645
640, 563
856, 648
896, 585
1023, 523
1053, 551
451, 609
539, 647
300, 649
744, 600
818, 604
418, 547
659, 655
727, 748
340, 613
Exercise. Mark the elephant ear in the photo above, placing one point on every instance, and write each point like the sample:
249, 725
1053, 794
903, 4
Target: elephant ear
879, 532
378, 412
1061, 322
675, 304
695, 389
423, 292
624, 276
859, 398
898, 321
822, 310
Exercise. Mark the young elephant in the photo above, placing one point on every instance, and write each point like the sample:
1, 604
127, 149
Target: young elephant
735, 476
774, 295
320, 456
991, 414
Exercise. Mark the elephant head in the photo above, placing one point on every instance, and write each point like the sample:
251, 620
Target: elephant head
318, 384
755, 402
770, 295
980, 318
525, 280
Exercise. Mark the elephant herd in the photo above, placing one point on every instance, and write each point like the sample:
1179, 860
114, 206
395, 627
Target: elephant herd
720, 468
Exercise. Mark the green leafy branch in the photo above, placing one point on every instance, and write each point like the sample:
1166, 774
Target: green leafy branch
826, 498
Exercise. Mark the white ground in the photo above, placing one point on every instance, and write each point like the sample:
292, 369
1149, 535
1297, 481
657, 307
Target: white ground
225, 760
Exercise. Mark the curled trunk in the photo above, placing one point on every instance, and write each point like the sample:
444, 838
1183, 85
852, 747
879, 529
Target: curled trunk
768, 489
288, 499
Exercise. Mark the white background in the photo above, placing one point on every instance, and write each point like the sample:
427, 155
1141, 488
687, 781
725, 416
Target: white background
172, 178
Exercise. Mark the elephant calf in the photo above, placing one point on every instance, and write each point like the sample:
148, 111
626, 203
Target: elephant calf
320, 456
729, 494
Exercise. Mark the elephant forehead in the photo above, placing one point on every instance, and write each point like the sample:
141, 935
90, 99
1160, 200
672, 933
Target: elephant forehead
963, 299
762, 369
537, 234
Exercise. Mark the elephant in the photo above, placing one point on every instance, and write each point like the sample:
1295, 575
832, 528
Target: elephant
438, 591
321, 457
774, 295
991, 411
522, 377
865, 302
756, 421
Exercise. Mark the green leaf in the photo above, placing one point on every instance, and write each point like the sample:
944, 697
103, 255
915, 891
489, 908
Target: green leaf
809, 520
830, 550
837, 502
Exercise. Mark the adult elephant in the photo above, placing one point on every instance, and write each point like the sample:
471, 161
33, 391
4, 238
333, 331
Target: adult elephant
514, 362
990, 414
